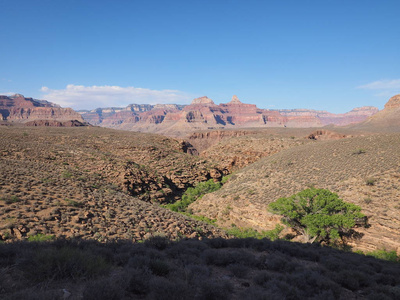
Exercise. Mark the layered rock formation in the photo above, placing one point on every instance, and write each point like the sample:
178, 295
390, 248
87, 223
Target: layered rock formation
387, 119
356, 115
19, 109
203, 114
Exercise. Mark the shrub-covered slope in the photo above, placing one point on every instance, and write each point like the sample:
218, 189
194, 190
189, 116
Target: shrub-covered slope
88, 182
209, 269
363, 170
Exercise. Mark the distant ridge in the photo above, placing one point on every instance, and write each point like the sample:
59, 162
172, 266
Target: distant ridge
203, 113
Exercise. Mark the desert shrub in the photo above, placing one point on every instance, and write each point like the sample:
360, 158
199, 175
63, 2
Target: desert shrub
297, 250
262, 277
8, 253
194, 193
370, 181
326, 295
217, 257
196, 273
352, 279
159, 267
225, 179
217, 243
386, 255
279, 262
375, 295
384, 279
252, 233
238, 270
256, 293
139, 261
313, 283
35, 294
67, 174
212, 290
157, 242
63, 263
138, 281
318, 214
40, 237
10, 199
226, 257
161, 288
367, 200
333, 263
190, 249
73, 203
104, 289
359, 151
281, 289
199, 218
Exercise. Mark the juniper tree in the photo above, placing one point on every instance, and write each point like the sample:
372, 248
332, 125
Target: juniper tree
318, 214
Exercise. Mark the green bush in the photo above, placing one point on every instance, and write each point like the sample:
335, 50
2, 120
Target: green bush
386, 255
359, 151
318, 214
192, 194
370, 181
73, 203
225, 179
252, 233
41, 238
10, 199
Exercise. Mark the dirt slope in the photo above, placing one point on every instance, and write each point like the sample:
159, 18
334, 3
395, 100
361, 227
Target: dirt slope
86, 182
343, 166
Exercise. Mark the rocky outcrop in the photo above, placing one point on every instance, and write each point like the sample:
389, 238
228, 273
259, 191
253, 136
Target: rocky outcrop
387, 120
326, 135
393, 102
202, 100
204, 139
19, 109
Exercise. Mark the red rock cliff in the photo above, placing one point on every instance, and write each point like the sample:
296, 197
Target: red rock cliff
19, 109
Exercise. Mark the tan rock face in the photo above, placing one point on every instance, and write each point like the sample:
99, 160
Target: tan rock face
393, 102
202, 100
235, 99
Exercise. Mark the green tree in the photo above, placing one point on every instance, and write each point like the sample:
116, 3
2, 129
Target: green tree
319, 215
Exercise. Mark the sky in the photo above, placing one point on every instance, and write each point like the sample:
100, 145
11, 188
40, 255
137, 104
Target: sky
316, 54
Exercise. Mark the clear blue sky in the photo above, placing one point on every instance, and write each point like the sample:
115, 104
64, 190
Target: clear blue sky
320, 54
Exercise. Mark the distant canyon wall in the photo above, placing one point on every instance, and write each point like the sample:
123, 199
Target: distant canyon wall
203, 114
18, 109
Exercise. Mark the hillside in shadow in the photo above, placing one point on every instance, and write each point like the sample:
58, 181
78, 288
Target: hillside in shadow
191, 269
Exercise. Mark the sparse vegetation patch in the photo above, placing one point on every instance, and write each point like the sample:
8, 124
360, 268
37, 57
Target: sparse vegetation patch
192, 194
